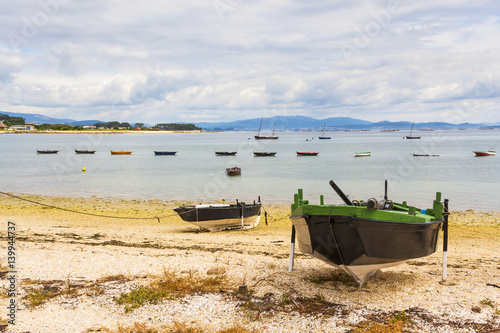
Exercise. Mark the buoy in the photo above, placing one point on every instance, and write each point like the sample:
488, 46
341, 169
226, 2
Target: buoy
84, 169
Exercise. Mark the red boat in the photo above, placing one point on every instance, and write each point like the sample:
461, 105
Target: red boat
490, 152
233, 171
307, 153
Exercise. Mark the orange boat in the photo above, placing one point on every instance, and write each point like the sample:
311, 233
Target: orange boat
120, 152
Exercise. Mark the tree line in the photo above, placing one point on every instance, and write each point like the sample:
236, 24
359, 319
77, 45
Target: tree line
9, 121
176, 127
157, 127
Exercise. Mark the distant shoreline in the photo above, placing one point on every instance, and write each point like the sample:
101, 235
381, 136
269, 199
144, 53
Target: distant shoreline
100, 132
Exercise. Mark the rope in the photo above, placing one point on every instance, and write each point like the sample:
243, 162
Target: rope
110, 216
266, 214
91, 214
337, 245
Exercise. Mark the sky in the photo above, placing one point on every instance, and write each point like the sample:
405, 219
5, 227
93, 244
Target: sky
155, 61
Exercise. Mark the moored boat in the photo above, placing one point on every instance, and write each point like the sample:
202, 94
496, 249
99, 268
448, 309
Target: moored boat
217, 217
307, 153
410, 136
490, 152
263, 153
120, 152
47, 151
263, 137
362, 154
323, 137
426, 155
363, 237
84, 151
225, 153
165, 152
234, 171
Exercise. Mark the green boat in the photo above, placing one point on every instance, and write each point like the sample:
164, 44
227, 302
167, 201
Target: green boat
362, 237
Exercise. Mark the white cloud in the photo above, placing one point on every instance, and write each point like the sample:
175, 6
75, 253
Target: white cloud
157, 61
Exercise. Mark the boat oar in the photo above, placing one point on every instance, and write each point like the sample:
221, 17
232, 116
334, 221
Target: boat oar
340, 193
292, 250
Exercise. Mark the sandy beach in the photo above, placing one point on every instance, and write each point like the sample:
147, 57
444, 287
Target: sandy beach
84, 273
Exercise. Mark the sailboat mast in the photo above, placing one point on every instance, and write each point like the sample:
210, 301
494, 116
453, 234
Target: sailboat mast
261, 119
412, 128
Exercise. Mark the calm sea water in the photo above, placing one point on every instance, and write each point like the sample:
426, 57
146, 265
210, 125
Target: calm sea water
195, 173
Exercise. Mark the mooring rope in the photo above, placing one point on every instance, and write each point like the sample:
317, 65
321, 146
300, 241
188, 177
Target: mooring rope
91, 214
337, 245
106, 216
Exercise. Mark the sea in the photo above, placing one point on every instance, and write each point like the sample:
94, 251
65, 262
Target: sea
197, 174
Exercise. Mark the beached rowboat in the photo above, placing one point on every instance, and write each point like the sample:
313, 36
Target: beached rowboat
217, 217
363, 237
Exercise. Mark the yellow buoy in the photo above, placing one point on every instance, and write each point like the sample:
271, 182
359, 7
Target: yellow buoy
84, 169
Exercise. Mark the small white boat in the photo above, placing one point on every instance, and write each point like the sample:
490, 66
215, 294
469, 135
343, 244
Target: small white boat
362, 154
490, 152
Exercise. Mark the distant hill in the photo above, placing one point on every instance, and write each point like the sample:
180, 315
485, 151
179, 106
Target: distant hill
284, 123
41, 119
334, 123
281, 123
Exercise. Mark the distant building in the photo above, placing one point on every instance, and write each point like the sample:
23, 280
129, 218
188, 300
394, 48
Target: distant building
25, 127
3, 127
89, 127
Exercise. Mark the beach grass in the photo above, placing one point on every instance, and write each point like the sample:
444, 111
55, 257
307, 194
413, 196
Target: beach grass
170, 286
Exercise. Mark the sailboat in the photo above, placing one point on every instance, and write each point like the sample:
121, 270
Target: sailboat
323, 137
412, 137
261, 137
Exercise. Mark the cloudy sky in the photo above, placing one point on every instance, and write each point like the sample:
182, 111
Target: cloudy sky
218, 60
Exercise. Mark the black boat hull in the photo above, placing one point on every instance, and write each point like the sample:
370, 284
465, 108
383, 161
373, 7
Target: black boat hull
362, 246
225, 153
165, 152
221, 217
263, 154
47, 151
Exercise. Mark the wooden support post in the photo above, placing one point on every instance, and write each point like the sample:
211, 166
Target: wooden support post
292, 250
445, 240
